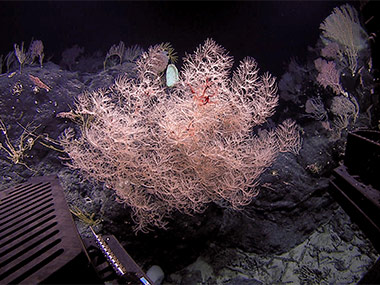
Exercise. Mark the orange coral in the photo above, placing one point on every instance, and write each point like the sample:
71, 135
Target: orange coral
39, 83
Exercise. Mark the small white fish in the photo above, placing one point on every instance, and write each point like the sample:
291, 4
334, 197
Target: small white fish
12, 74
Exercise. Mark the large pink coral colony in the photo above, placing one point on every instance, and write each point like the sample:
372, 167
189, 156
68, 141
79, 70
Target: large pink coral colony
164, 149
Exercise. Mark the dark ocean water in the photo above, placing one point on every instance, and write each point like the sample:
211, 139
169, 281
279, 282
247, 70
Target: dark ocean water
270, 31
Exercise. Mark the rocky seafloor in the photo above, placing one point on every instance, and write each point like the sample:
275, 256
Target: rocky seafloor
337, 252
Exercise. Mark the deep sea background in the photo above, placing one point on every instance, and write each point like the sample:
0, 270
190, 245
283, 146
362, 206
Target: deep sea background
270, 31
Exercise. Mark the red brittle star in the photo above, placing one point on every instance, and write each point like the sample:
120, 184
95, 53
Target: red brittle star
203, 98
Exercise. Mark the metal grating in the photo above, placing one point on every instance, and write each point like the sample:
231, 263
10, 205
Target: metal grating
37, 234
360, 201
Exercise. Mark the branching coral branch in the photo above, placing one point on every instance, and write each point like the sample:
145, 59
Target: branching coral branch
329, 76
342, 26
17, 152
165, 152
